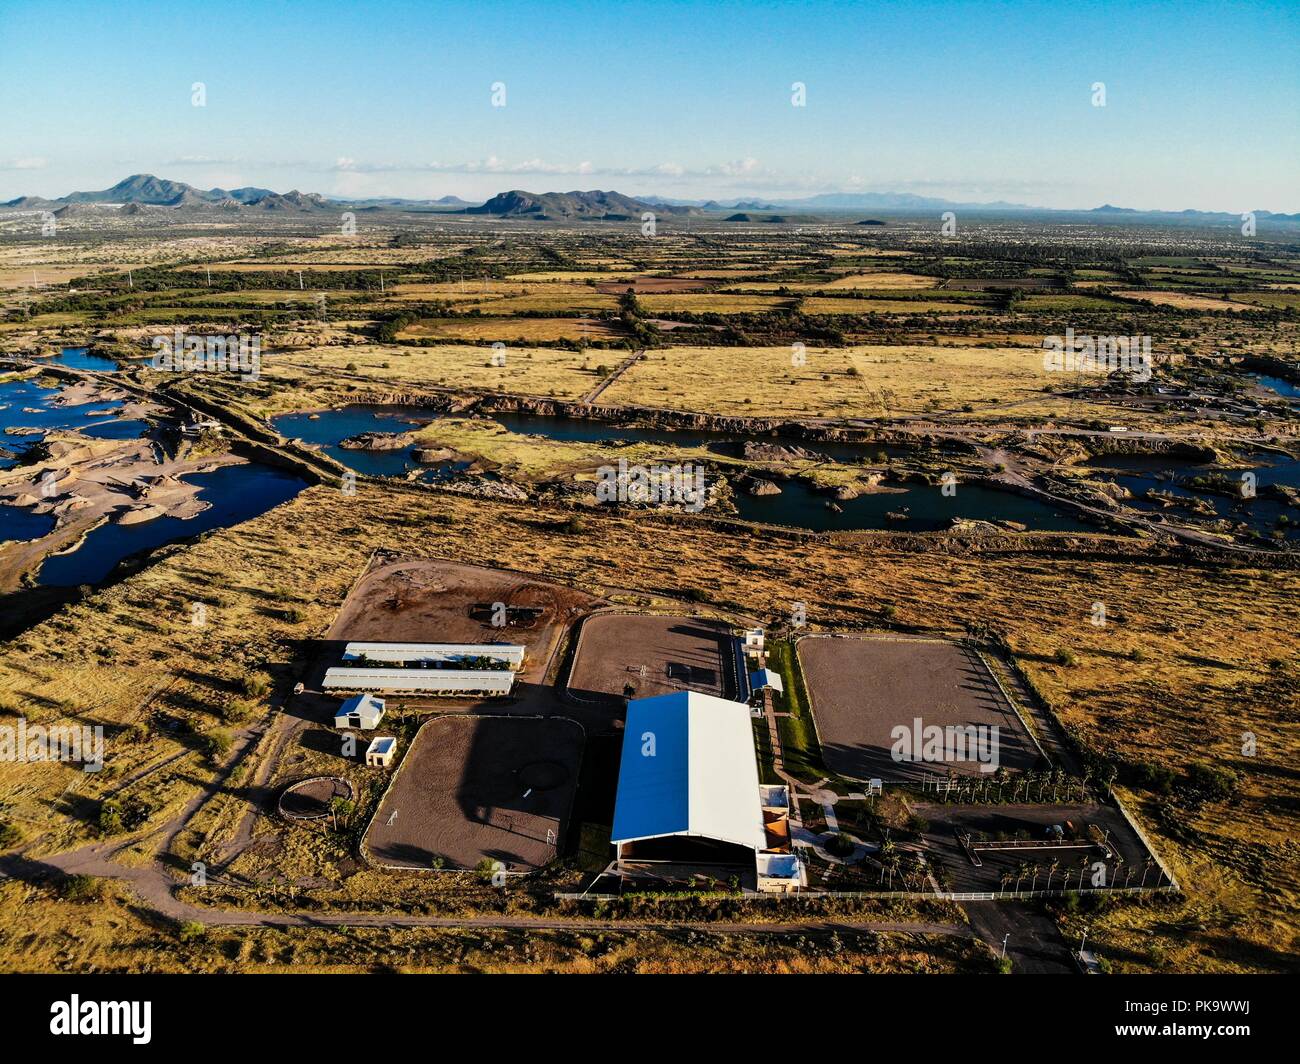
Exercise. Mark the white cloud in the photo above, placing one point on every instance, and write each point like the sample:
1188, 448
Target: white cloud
33, 162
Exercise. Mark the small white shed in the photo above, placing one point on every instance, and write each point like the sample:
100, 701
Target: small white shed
379, 754
361, 711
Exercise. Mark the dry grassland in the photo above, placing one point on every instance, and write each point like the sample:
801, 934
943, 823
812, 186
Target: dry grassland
129, 652
528, 370
1186, 301
761, 382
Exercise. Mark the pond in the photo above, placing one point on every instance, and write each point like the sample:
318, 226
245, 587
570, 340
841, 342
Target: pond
236, 493
799, 505
327, 428
1280, 385
26, 405
81, 358
17, 523
925, 507
1262, 513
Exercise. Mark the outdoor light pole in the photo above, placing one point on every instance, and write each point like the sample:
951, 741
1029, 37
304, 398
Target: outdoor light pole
1004, 945
1083, 939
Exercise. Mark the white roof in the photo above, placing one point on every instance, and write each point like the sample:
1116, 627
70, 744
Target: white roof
766, 678
348, 679
362, 703
513, 652
702, 779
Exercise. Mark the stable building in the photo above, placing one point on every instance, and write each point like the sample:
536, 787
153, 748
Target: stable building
436, 655
469, 683
364, 711
688, 792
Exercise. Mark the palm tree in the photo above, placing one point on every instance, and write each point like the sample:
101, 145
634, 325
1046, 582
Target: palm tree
919, 867
891, 865
339, 805
1051, 871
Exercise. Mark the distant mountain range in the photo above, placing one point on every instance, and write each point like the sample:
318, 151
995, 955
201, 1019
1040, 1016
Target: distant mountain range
555, 206
145, 193
147, 190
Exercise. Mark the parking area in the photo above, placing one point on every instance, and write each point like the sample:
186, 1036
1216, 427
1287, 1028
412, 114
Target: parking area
903, 709
476, 788
1018, 841
622, 655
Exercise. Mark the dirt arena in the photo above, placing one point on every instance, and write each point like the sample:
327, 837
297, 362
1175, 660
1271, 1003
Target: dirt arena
473, 788
428, 601
861, 687
677, 653
310, 799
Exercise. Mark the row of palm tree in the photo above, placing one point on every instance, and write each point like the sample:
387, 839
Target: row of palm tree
1048, 785
1024, 870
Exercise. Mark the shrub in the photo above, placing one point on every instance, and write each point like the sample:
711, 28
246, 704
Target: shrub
110, 818
257, 685
10, 835
1214, 783
191, 931
216, 744
1065, 657
236, 712
81, 888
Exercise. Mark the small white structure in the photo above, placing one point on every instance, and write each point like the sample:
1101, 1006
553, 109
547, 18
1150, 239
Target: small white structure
754, 641
780, 873
466, 682
365, 711
415, 655
379, 754
764, 678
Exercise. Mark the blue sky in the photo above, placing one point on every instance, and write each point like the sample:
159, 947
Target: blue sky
974, 101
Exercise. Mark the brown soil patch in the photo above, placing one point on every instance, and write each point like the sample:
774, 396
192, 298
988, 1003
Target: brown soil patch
479, 788
862, 687
653, 655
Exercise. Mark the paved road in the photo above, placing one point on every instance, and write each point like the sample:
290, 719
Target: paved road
1035, 946
152, 883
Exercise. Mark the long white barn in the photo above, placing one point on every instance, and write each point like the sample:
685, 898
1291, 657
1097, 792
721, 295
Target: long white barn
421, 681
509, 654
